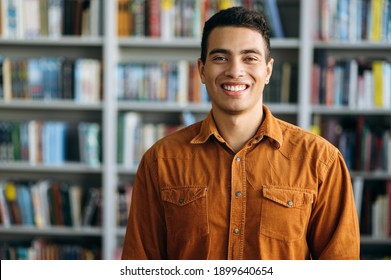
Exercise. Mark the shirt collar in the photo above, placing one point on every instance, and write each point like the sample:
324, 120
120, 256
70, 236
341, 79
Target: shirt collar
270, 128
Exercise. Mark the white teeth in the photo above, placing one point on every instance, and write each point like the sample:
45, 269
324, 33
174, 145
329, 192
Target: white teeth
235, 88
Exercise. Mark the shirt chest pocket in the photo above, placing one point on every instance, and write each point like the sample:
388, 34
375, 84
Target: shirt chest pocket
285, 212
186, 211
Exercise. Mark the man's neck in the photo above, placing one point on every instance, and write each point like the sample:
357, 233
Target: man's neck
237, 129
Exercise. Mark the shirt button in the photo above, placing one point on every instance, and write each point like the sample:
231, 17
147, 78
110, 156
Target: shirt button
290, 203
237, 159
236, 231
238, 194
181, 200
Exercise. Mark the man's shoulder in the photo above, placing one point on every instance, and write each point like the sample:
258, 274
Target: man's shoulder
176, 142
300, 140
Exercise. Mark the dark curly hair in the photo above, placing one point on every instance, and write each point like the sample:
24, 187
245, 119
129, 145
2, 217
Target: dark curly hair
238, 17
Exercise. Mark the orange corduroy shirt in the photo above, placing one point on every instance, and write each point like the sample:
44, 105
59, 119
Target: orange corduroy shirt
286, 194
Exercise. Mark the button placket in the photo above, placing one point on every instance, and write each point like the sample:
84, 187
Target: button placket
238, 206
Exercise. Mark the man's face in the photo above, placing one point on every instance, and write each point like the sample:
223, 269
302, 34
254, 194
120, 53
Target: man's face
235, 69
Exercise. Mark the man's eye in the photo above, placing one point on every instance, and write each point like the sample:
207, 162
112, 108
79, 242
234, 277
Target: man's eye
220, 58
250, 59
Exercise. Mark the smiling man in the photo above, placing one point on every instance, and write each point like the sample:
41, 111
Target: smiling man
241, 184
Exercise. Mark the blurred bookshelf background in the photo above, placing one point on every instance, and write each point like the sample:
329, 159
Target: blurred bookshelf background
86, 86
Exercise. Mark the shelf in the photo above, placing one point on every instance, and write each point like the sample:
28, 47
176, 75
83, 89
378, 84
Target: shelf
191, 43
64, 168
358, 45
162, 106
50, 105
51, 231
126, 171
194, 108
375, 175
110, 50
54, 41
369, 240
345, 110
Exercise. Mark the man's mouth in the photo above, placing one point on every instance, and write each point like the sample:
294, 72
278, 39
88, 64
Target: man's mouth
234, 88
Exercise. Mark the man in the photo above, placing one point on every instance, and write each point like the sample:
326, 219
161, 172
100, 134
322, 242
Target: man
241, 184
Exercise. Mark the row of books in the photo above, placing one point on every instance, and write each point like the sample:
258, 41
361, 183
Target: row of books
283, 85
50, 78
168, 19
26, 19
41, 249
180, 82
135, 137
124, 199
49, 142
46, 203
162, 81
351, 82
373, 201
34, 141
353, 20
364, 144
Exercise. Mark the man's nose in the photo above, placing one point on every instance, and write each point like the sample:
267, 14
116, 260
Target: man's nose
234, 69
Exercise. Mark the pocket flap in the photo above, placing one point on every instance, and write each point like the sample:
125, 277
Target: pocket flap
287, 197
182, 195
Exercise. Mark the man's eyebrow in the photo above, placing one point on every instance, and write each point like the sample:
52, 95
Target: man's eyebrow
256, 51
225, 51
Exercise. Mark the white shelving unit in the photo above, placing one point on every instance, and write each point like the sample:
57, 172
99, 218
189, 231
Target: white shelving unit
113, 50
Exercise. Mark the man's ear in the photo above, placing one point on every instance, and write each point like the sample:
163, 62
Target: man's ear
269, 68
201, 70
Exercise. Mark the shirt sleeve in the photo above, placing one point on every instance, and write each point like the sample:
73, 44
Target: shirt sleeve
145, 232
334, 230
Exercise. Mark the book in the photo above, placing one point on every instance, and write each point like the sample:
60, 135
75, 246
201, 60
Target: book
87, 80
376, 20
89, 143
55, 17
377, 68
66, 203
78, 17
7, 80
16, 141
51, 68
67, 84
6, 145
31, 19
4, 211
273, 15
123, 18
167, 18
25, 204
55, 204
1, 77
35, 79
149, 136
75, 198
358, 190
90, 206
10, 194
132, 139
138, 17
1, 18
33, 141
122, 209
95, 18
43, 17
153, 18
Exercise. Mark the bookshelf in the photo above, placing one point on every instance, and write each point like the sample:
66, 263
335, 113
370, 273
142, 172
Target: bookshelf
299, 46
